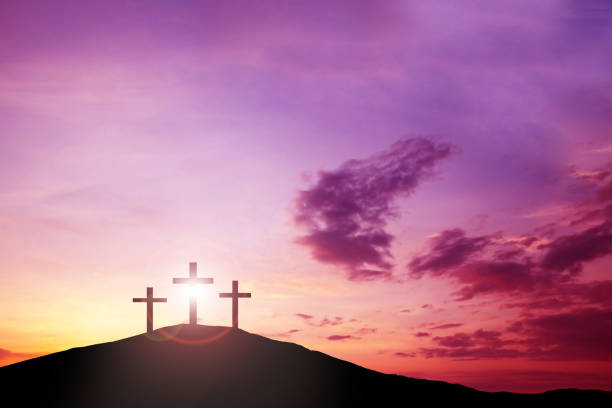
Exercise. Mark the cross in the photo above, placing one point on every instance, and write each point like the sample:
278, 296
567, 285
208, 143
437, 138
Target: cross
192, 280
149, 299
234, 295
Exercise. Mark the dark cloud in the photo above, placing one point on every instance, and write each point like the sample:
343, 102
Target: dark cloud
426, 306
540, 268
578, 334
527, 380
447, 326
336, 337
549, 303
456, 340
454, 254
595, 293
470, 353
604, 193
581, 334
449, 249
484, 277
404, 354
569, 252
481, 344
480, 272
288, 333
345, 213
422, 334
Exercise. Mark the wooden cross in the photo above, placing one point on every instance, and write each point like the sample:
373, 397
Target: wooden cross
193, 280
234, 295
150, 300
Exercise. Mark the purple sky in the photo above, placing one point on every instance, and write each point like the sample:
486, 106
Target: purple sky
413, 175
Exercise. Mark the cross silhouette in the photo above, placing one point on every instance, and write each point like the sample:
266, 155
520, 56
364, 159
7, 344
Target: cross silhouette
235, 295
149, 299
193, 280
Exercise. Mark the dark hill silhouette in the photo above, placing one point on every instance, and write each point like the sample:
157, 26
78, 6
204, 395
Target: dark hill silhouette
237, 369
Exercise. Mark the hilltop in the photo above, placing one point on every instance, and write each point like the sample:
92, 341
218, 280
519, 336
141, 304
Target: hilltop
232, 368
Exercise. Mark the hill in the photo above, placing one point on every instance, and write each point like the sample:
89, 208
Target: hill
234, 369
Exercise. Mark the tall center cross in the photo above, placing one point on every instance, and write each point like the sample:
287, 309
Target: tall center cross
149, 299
235, 295
193, 280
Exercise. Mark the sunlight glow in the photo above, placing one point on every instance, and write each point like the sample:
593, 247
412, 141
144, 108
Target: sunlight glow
193, 290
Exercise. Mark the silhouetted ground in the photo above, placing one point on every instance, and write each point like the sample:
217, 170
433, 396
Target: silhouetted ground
236, 369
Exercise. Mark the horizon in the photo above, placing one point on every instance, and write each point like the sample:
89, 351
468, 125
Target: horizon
420, 189
158, 333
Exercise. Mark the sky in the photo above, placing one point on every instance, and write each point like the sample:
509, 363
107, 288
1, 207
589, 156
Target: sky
419, 187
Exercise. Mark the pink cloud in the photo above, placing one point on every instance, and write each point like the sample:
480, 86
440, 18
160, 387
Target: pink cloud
10, 357
447, 326
580, 334
404, 354
337, 337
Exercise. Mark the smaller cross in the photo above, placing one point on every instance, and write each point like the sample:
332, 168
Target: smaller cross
149, 299
235, 295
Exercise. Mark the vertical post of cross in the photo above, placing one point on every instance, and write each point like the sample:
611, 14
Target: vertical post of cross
193, 280
149, 300
193, 303
235, 295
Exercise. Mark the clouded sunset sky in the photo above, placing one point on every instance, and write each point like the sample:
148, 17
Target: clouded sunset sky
418, 187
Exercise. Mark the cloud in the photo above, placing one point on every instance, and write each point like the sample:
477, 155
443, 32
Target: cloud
337, 337
404, 354
479, 272
466, 353
527, 380
422, 334
595, 293
426, 306
604, 193
330, 322
456, 340
449, 249
569, 252
288, 333
368, 275
580, 334
485, 277
326, 321
481, 344
10, 357
447, 326
346, 211
550, 303
539, 264
366, 330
